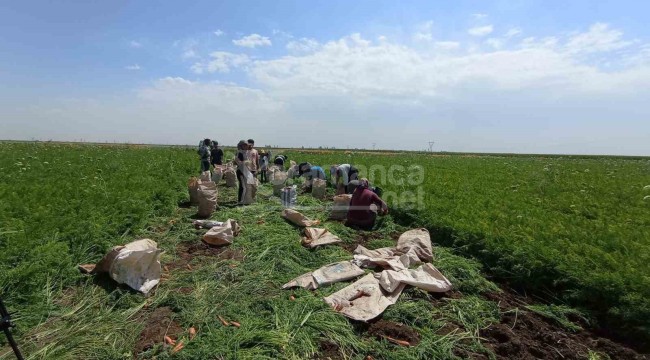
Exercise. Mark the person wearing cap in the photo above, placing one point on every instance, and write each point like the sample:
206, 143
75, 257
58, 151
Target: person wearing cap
216, 154
342, 175
364, 206
279, 160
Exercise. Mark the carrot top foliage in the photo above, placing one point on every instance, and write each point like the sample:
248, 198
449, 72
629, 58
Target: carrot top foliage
575, 229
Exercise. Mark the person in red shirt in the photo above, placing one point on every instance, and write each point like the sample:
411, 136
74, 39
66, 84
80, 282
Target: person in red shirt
361, 213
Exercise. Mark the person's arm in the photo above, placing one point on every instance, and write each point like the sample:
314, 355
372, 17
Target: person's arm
381, 204
346, 178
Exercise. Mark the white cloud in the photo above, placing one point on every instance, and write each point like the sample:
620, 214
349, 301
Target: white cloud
447, 45
303, 45
381, 38
424, 32
281, 34
599, 38
221, 62
480, 30
252, 40
133, 67
219, 32
494, 42
135, 44
512, 32
538, 95
479, 16
189, 54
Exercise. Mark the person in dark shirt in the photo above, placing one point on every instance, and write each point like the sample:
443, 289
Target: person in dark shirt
216, 154
204, 153
361, 215
240, 160
280, 160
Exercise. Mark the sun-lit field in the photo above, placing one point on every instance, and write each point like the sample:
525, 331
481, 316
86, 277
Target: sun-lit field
573, 230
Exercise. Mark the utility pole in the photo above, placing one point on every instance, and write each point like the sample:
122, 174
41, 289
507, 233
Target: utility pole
431, 146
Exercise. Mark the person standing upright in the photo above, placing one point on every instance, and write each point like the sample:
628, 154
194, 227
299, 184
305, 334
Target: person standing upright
216, 154
204, 153
254, 157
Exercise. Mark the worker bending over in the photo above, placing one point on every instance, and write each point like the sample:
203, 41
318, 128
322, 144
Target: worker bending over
364, 206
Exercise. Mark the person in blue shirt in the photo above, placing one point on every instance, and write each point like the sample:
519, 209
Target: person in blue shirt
204, 153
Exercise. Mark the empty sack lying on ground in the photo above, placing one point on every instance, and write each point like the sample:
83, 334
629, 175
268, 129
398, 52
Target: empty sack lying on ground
223, 234
426, 277
328, 274
297, 218
385, 258
136, 264
206, 224
315, 237
364, 299
418, 240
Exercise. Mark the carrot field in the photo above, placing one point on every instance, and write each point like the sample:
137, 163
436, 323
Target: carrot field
572, 232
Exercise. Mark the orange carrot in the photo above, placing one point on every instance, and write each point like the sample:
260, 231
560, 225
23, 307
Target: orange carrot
235, 324
170, 341
192, 331
396, 341
178, 347
292, 298
223, 321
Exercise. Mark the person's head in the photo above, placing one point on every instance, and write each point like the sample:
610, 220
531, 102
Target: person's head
215, 143
363, 183
251, 143
242, 145
206, 142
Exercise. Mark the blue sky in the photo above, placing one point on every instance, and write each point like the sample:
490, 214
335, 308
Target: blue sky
514, 76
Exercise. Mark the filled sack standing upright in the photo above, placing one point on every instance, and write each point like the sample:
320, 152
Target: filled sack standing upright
193, 189
340, 207
206, 176
207, 198
319, 188
217, 173
277, 178
289, 196
230, 176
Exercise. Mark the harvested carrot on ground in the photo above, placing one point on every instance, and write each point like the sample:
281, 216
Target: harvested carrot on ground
189, 267
235, 324
178, 347
192, 332
170, 341
292, 298
223, 321
165, 268
396, 341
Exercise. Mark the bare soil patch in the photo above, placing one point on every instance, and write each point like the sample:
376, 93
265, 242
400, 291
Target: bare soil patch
384, 329
365, 237
522, 334
187, 251
158, 324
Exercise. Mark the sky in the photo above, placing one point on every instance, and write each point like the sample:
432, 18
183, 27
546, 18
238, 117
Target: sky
472, 76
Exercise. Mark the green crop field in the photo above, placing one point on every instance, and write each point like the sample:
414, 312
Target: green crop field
574, 231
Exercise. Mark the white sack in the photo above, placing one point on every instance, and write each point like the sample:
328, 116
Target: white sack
319, 188
363, 300
193, 189
223, 234
426, 277
217, 173
315, 237
206, 176
230, 176
136, 264
386, 258
328, 274
419, 240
